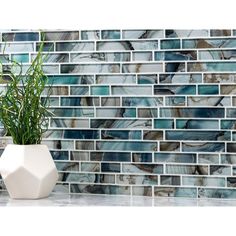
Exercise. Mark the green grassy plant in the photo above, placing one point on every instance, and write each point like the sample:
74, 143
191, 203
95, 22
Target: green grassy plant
23, 112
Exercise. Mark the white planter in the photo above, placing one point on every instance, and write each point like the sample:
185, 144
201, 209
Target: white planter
28, 171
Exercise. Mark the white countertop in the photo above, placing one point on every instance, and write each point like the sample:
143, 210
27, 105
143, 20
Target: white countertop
109, 200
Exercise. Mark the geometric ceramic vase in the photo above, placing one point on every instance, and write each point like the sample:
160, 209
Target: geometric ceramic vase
28, 171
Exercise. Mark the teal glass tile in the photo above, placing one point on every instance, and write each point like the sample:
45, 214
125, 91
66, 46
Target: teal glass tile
72, 112
137, 179
102, 56
176, 56
228, 124
21, 58
175, 157
90, 34
90, 68
121, 134
79, 101
203, 181
217, 193
111, 156
142, 168
79, 90
70, 79
111, 167
123, 123
203, 146
220, 32
175, 192
115, 79
17, 47
147, 79
186, 33
141, 157
100, 189
27, 36
142, 67
90, 167
110, 34
75, 46
115, 112
100, 90
142, 101
208, 89
174, 89
187, 169
60, 35
194, 112
47, 47
175, 101
231, 182
211, 66
180, 78
196, 124
163, 123
142, 56
220, 170
142, 34
170, 44
60, 155
208, 158
169, 146
126, 145
147, 112
127, 45
209, 43
170, 180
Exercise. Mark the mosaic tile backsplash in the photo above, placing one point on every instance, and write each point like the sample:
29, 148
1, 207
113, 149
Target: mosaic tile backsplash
138, 112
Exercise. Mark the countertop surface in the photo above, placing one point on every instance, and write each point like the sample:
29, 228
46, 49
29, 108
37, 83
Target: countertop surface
60, 200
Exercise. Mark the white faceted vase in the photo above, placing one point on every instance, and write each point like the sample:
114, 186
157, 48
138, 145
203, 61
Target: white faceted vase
28, 171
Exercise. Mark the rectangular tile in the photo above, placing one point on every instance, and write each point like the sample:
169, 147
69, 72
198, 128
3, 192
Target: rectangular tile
115, 112
142, 67
137, 179
187, 169
211, 66
142, 34
142, 168
193, 112
26, 36
198, 135
127, 45
186, 33
175, 192
75, 46
60, 35
115, 79
100, 57
121, 134
126, 146
90, 68
197, 124
110, 34
180, 78
209, 43
174, 89
100, 189
110, 156
203, 181
131, 90
175, 157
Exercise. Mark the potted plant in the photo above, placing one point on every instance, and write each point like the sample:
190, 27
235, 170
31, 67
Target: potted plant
26, 166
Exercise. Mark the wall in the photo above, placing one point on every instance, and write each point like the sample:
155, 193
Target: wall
139, 112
